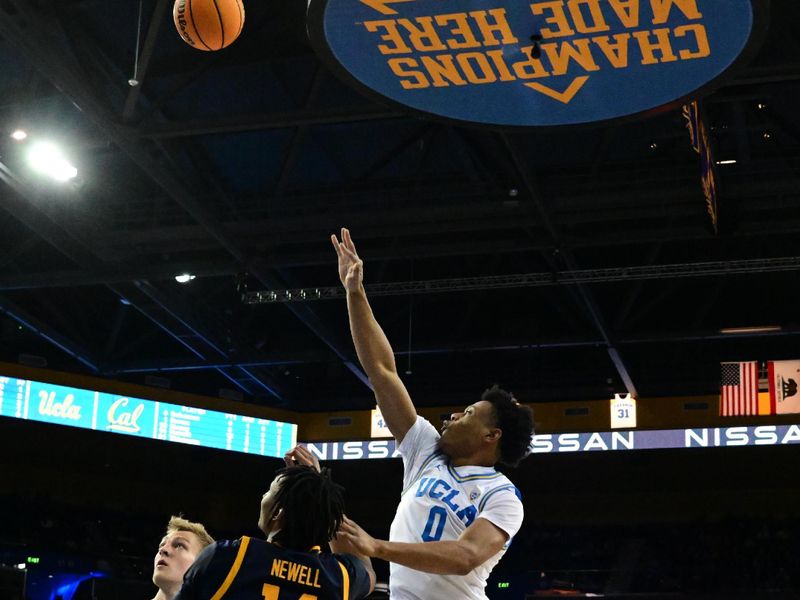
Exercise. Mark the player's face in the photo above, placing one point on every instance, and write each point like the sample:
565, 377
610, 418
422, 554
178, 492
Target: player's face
175, 555
463, 433
266, 523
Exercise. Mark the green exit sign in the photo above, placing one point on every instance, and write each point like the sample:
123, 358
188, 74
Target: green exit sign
503, 585
33, 560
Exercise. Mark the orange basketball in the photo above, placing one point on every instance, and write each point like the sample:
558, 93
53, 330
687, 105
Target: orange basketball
208, 24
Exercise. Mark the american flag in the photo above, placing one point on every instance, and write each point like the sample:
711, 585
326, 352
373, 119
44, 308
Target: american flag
739, 389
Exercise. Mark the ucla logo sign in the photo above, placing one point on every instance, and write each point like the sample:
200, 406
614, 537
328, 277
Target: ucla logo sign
517, 63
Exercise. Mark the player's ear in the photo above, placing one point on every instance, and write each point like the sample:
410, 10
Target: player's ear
494, 434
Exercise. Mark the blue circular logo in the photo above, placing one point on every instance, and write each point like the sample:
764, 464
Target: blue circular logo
517, 63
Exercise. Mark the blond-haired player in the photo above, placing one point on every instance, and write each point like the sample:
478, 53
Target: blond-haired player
181, 544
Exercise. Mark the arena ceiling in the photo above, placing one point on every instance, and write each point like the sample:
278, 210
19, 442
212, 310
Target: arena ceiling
563, 264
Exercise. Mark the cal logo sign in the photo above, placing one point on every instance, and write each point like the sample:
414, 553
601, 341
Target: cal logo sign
517, 63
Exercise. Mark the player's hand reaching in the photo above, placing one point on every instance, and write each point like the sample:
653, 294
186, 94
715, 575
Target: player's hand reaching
300, 455
352, 539
351, 268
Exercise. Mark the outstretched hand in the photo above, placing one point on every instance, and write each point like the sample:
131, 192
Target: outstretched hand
352, 539
351, 267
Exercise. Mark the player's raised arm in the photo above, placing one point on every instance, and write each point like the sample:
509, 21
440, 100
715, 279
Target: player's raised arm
373, 348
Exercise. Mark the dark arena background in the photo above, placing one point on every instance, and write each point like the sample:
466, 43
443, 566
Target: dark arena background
186, 261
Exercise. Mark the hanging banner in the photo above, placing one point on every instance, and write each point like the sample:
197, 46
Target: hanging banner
516, 63
623, 412
783, 393
378, 427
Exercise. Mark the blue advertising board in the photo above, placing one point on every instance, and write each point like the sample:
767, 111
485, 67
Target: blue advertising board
100, 411
513, 63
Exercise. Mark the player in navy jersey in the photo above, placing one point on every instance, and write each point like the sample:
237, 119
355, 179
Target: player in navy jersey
457, 514
300, 514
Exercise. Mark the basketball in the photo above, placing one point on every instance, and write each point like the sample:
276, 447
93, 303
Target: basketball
208, 24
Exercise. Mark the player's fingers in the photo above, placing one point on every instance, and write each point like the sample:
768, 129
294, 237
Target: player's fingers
336, 245
302, 450
348, 240
348, 252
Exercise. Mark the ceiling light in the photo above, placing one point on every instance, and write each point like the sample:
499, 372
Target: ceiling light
47, 159
755, 329
184, 277
19, 135
731, 161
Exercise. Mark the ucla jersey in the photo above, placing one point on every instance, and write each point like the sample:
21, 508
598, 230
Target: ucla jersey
439, 502
251, 569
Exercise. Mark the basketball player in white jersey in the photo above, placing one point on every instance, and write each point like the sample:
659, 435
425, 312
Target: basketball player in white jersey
457, 514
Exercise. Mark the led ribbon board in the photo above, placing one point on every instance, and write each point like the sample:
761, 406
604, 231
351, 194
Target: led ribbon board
100, 411
517, 63
598, 441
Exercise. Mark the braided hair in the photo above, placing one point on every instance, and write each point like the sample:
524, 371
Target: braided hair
313, 507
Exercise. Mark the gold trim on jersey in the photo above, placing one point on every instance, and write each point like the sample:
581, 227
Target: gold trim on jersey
234, 569
345, 582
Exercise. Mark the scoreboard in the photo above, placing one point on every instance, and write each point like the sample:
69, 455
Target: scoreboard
100, 411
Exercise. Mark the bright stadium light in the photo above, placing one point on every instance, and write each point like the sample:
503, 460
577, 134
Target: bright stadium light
19, 135
47, 159
184, 277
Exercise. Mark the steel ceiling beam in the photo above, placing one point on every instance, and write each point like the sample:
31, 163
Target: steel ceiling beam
283, 359
104, 275
576, 277
66, 345
207, 338
279, 120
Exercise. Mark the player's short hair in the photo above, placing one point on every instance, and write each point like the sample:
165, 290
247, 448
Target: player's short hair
516, 423
313, 507
178, 523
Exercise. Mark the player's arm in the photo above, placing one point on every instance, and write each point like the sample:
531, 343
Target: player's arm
477, 544
338, 547
372, 346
